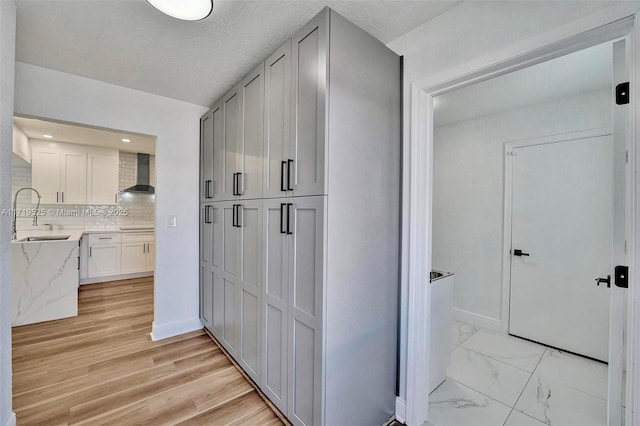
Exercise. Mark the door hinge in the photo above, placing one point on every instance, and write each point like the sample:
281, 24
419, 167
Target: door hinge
622, 93
621, 276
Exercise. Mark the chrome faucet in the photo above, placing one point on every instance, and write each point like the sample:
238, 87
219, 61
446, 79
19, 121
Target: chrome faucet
15, 202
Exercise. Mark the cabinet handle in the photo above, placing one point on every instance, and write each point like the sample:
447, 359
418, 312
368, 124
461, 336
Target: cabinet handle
235, 184
239, 218
78, 263
282, 206
207, 214
90, 251
57, 196
116, 198
233, 217
289, 164
207, 189
104, 238
63, 196
282, 166
289, 232
240, 183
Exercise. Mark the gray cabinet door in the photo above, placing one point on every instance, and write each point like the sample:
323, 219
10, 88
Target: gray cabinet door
231, 141
309, 53
206, 156
277, 119
206, 234
305, 219
217, 117
216, 236
218, 303
249, 220
249, 181
206, 297
230, 287
274, 301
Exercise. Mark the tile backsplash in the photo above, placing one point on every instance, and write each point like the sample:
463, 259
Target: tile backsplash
139, 208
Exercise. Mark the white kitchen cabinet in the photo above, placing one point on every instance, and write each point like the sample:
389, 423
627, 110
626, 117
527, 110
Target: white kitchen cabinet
74, 174
104, 255
138, 252
102, 176
59, 172
327, 290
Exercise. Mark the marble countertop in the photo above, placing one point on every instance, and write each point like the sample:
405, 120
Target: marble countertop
74, 234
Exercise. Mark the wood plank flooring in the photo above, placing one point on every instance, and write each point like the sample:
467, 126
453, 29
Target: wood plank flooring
101, 367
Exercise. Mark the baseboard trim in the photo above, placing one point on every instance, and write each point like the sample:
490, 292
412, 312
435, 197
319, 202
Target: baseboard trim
115, 278
12, 419
476, 319
159, 332
401, 409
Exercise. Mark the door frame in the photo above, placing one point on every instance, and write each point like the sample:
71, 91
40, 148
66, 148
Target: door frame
508, 196
607, 25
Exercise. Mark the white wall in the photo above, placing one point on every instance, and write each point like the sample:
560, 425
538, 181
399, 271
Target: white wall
7, 64
51, 94
468, 192
461, 35
21, 145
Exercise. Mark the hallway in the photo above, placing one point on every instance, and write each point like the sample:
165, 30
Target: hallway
102, 367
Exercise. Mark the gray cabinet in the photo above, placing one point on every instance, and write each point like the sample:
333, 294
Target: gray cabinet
206, 156
277, 119
304, 291
309, 57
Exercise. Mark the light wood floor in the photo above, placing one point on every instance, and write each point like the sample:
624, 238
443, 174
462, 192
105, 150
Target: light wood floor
102, 368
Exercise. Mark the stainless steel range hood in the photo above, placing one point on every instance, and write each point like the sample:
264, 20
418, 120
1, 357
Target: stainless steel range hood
144, 172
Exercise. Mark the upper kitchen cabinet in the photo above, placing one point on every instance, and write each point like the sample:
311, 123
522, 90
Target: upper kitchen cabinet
59, 173
231, 143
277, 107
102, 176
74, 174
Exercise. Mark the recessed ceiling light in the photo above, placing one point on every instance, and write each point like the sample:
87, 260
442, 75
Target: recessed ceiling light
186, 10
47, 136
126, 140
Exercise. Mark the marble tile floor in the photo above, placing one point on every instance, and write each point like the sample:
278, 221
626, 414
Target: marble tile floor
496, 379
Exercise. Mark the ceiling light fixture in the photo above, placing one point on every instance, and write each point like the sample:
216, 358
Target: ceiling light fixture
48, 136
126, 140
186, 10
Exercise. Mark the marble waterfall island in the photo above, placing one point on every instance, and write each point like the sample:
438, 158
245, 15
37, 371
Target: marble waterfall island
45, 280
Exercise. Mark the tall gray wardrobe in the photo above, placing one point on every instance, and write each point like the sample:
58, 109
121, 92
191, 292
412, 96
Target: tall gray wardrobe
300, 210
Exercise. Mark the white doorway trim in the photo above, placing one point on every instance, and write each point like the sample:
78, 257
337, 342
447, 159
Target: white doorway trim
506, 232
607, 25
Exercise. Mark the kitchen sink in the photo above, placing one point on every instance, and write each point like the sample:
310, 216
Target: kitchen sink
45, 238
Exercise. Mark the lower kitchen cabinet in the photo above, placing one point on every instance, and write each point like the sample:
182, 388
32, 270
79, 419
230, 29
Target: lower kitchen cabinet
138, 252
104, 255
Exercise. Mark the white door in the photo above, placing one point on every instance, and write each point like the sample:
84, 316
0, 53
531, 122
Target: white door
104, 260
206, 156
562, 233
150, 261
615, 400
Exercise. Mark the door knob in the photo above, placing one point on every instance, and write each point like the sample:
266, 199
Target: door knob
518, 252
604, 281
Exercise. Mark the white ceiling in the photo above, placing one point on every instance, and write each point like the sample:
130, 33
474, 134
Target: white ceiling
63, 132
580, 72
129, 43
